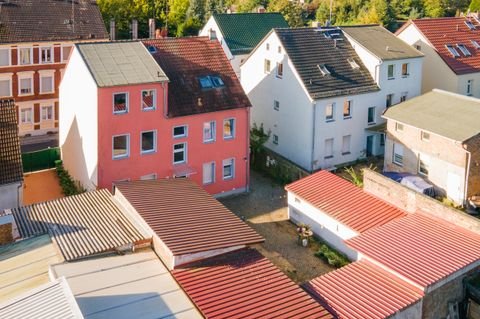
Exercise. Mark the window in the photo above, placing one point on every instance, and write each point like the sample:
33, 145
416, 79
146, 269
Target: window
266, 66
323, 69
418, 47
25, 56
425, 136
5, 87
452, 51
121, 146
399, 127
149, 142
217, 81
475, 44
209, 131
389, 100
152, 49
205, 82
371, 115
276, 105
279, 49
228, 168
179, 153
208, 173
353, 63
26, 116
66, 50
4, 57
423, 164
464, 49
275, 139
347, 109
329, 148
469, 87
148, 177
397, 154
120, 103
149, 100
470, 25
25, 86
46, 55
391, 71
330, 112
346, 144
46, 83
228, 128
267, 46
403, 96
279, 70
180, 131
405, 70
47, 113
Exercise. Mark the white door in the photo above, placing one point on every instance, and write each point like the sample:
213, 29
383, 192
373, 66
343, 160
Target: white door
454, 187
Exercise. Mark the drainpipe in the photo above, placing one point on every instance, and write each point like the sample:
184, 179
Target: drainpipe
247, 156
165, 107
18, 194
314, 105
469, 155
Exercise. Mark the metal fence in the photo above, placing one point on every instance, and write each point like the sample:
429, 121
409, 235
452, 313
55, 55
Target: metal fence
44, 159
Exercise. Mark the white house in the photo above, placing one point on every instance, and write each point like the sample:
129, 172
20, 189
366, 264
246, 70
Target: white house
451, 48
239, 33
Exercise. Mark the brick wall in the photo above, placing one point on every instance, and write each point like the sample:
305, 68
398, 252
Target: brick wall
411, 201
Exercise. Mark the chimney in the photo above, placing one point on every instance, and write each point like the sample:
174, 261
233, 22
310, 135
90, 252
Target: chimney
260, 9
151, 28
212, 34
199, 102
158, 34
316, 24
134, 29
8, 228
112, 30
334, 43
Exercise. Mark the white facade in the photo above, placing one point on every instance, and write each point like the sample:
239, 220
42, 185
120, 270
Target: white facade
78, 129
322, 224
11, 195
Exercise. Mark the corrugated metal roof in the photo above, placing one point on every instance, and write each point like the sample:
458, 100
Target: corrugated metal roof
420, 248
185, 217
363, 290
244, 284
52, 300
135, 285
345, 202
120, 63
81, 225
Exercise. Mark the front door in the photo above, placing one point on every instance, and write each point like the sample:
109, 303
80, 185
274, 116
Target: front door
369, 145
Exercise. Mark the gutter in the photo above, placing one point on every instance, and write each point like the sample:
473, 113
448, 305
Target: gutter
247, 155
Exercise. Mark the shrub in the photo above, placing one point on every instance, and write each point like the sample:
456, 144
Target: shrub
333, 257
69, 186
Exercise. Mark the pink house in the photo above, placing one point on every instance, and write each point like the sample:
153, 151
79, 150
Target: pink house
167, 108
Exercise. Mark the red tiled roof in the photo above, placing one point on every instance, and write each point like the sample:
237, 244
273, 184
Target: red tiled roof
244, 284
421, 248
363, 290
453, 30
11, 167
185, 217
344, 201
184, 61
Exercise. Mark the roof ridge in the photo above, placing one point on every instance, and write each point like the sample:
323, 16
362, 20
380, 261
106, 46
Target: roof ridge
457, 95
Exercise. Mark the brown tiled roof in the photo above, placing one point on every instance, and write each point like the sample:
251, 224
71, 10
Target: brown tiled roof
11, 169
50, 20
244, 284
185, 217
184, 60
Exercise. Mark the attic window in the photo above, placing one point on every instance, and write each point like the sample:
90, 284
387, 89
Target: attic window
211, 81
217, 81
353, 64
323, 69
452, 50
152, 49
470, 25
464, 49
475, 44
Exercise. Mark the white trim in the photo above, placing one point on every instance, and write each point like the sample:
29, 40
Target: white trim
213, 129
42, 105
20, 109
127, 155
232, 176
19, 48
9, 56
213, 175
52, 52
180, 136
45, 75
22, 76
154, 142
154, 107
127, 102
184, 153
4, 77
233, 129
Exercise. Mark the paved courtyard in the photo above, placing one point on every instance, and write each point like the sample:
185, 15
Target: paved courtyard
265, 209
41, 186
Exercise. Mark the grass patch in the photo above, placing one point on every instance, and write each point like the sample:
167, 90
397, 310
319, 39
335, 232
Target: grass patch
331, 256
69, 186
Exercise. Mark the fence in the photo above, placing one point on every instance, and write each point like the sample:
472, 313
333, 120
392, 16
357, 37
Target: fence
278, 167
44, 159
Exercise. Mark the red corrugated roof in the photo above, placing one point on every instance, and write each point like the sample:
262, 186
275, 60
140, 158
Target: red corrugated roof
363, 290
185, 217
453, 30
421, 248
344, 201
244, 284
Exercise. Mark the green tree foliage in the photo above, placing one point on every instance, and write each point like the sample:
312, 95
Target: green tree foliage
474, 6
291, 11
434, 8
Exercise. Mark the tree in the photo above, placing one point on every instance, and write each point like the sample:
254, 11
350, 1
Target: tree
474, 6
378, 11
291, 11
434, 8
258, 137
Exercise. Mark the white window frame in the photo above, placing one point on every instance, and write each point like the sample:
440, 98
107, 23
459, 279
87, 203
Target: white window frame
350, 107
62, 56
397, 155
180, 136
406, 75
279, 74
5, 77
19, 49
332, 118
452, 50
20, 118
9, 56
149, 177
23, 76
154, 150
212, 175
463, 49
50, 48
213, 129
127, 103
327, 156
226, 162
127, 155
425, 160
265, 63
232, 128
374, 115
346, 150
43, 74
42, 112
154, 107
392, 76
178, 151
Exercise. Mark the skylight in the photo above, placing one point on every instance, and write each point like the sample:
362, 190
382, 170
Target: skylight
353, 64
217, 81
464, 49
470, 25
323, 69
452, 51
211, 81
205, 82
152, 49
475, 44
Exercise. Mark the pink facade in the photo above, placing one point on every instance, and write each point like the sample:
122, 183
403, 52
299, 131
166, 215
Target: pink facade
160, 162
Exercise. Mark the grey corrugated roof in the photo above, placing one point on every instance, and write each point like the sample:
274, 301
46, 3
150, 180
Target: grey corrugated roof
308, 48
381, 42
136, 286
11, 167
444, 113
81, 225
120, 63
52, 300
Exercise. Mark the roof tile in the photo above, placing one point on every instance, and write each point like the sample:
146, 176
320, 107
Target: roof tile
11, 167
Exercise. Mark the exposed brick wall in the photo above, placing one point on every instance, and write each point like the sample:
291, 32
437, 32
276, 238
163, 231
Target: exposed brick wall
6, 236
411, 201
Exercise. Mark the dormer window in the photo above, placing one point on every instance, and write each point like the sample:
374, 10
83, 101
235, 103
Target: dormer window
353, 64
452, 51
323, 69
464, 49
475, 44
152, 49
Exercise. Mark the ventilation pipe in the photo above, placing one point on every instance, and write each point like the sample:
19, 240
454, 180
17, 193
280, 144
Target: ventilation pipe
134, 29
112, 30
151, 28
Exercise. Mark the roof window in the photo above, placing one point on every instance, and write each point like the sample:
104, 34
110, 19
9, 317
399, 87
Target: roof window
475, 44
152, 49
211, 81
452, 51
353, 63
217, 81
464, 49
470, 25
323, 69
205, 82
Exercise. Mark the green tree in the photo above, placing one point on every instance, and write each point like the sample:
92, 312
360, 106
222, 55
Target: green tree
291, 11
378, 11
474, 6
434, 8
258, 137
212, 7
